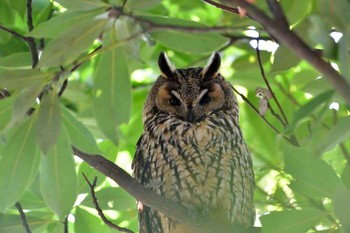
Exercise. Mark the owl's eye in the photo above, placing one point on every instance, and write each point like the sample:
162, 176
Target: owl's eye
205, 99
174, 101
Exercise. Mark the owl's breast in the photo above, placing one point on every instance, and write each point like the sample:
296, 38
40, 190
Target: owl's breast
205, 166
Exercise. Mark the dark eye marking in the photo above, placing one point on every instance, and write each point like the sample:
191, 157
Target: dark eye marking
205, 99
174, 101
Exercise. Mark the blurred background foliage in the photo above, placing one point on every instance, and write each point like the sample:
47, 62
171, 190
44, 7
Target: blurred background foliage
108, 57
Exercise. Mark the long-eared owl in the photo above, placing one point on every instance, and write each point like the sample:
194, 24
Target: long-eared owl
192, 150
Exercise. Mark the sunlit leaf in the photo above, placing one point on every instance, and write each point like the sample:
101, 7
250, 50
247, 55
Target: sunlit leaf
331, 8
343, 54
306, 110
57, 176
48, 124
68, 45
339, 133
62, 22
313, 176
141, 4
112, 92
86, 222
295, 10
185, 41
80, 136
24, 101
291, 221
342, 207
17, 60
284, 59
5, 111
20, 79
82, 4
18, 165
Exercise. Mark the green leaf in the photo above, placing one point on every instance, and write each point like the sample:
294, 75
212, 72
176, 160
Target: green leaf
296, 10
24, 101
284, 60
63, 22
335, 12
82, 4
141, 4
313, 177
307, 109
343, 54
57, 176
184, 41
291, 221
342, 207
20, 79
18, 165
337, 134
21, 60
71, 43
112, 92
5, 112
49, 121
86, 222
80, 136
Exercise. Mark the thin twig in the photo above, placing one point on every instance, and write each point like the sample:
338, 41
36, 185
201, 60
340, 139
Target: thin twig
221, 6
268, 84
99, 210
23, 217
65, 230
13, 33
30, 40
278, 117
245, 99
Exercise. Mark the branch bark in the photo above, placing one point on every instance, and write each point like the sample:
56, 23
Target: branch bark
292, 41
159, 203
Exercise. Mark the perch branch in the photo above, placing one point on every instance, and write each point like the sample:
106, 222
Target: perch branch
23, 217
99, 210
159, 203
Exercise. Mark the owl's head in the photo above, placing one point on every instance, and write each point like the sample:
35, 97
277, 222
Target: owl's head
190, 94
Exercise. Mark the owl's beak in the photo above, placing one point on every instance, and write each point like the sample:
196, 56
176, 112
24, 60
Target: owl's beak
191, 116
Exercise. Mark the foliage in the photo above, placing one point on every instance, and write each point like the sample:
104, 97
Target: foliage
97, 62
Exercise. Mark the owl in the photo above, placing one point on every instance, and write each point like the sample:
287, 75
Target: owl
192, 150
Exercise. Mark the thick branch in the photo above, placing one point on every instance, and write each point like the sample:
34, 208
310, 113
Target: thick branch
298, 46
173, 210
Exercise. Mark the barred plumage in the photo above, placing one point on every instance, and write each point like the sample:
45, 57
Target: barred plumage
192, 150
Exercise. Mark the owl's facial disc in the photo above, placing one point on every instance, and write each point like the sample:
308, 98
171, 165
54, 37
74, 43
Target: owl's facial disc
190, 108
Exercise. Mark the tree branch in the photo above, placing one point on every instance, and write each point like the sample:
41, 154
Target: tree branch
299, 47
23, 217
159, 203
30, 40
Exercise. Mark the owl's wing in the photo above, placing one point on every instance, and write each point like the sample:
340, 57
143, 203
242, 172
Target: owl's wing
142, 173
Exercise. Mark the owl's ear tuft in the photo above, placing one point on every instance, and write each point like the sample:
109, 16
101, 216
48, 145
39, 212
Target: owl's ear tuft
211, 69
165, 65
